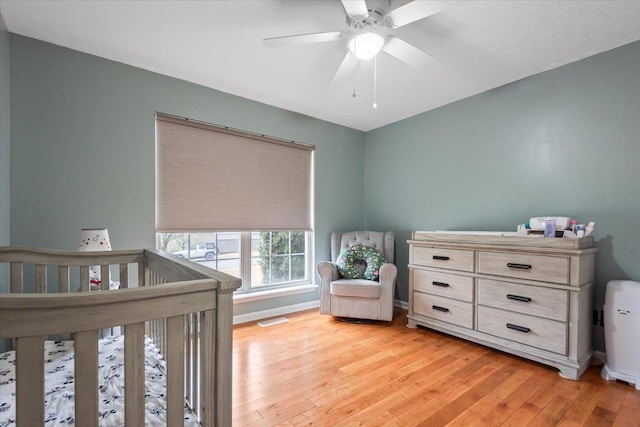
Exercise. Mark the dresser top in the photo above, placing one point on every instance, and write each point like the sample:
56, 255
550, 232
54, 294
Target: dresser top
498, 238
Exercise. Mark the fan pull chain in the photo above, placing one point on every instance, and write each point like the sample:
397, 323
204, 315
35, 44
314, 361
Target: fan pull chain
353, 76
375, 81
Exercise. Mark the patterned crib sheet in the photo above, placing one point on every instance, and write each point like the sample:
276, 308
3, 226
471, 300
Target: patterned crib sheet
59, 385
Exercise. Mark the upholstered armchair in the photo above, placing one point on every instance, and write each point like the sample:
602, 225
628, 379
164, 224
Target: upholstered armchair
359, 298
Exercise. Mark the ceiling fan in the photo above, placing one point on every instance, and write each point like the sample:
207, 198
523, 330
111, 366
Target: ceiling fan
369, 32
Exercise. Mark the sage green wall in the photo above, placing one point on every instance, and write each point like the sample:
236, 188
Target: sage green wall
82, 152
563, 142
5, 106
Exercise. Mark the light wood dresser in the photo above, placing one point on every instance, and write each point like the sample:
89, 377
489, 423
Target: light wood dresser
528, 296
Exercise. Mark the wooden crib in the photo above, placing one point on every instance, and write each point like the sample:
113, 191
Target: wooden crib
184, 307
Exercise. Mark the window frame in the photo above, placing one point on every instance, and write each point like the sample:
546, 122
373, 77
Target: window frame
246, 258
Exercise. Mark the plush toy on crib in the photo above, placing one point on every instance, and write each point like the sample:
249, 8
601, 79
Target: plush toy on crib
96, 284
94, 281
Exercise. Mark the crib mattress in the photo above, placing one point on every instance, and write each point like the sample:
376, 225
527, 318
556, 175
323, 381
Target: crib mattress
59, 386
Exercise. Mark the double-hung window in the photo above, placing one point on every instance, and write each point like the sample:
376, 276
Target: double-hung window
237, 202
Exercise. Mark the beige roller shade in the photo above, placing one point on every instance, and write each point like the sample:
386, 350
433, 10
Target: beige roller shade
211, 178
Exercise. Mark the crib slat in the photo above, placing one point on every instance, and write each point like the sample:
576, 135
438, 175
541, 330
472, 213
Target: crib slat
207, 376
175, 371
84, 278
152, 335
16, 277
141, 274
105, 277
124, 276
195, 356
41, 279
134, 374
30, 381
63, 279
163, 335
63, 288
86, 378
157, 340
188, 349
16, 285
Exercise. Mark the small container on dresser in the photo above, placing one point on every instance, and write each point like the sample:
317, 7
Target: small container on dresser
528, 296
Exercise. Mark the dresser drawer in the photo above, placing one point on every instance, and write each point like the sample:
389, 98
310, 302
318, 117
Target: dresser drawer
533, 300
543, 268
444, 284
452, 259
444, 309
530, 330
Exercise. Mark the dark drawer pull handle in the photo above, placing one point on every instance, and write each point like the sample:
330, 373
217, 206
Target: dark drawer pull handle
518, 328
520, 266
518, 298
438, 308
441, 284
441, 258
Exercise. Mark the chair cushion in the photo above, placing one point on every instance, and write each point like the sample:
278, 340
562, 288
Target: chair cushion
348, 258
356, 288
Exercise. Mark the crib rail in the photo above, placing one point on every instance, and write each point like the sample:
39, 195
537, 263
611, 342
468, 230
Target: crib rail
62, 261
185, 308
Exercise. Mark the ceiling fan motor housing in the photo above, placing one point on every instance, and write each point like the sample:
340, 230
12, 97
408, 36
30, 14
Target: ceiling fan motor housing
358, 23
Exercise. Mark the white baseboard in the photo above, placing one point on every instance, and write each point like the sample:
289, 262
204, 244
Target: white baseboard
401, 304
600, 355
264, 314
240, 298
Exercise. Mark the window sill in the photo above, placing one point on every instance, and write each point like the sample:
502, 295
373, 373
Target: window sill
273, 293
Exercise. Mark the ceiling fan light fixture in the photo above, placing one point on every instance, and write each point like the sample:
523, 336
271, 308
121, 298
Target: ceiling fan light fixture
366, 45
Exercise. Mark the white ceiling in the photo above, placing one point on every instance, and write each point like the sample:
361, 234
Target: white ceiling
479, 45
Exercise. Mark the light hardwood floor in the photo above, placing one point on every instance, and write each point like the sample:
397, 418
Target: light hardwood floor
315, 370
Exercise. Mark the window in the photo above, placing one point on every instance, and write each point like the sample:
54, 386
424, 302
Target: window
281, 256
249, 187
264, 260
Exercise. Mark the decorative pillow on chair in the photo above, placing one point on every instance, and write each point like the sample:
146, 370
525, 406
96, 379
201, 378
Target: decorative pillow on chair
359, 253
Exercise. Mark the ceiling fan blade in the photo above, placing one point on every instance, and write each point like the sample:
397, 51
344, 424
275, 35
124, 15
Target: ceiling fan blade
408, 53
355, 8
303, 39
345, 69
416, 10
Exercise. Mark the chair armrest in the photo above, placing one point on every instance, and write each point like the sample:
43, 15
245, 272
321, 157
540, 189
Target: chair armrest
388, 273
328, 272
327, 269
